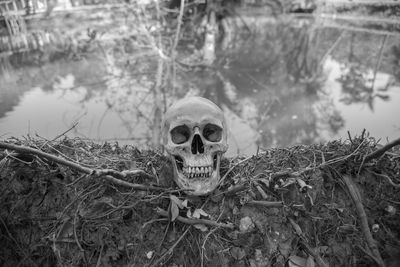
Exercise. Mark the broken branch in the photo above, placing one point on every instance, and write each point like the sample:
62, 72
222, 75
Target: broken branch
379, 152
193, 221
267, 204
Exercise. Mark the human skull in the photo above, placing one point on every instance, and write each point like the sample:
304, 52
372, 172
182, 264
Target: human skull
195, 137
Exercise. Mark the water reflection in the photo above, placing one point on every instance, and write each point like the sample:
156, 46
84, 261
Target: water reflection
284, 83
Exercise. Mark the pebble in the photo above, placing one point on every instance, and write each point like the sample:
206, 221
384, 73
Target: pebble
246, 224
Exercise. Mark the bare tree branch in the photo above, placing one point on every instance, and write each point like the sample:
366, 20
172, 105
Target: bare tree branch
382, 150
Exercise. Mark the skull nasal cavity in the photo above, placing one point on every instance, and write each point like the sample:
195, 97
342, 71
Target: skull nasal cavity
197, 145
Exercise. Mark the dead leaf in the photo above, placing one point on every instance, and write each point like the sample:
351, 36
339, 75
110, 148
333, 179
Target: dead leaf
173, 211
185, 203
296, 261
177, 201
201, 227
150, 254
310, 261
199, 212
296, 227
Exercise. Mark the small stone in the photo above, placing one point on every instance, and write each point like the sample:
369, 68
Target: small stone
149, 254
246, 224
391, 210
375, 228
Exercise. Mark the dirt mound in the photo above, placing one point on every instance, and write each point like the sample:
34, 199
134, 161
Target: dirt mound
77, 203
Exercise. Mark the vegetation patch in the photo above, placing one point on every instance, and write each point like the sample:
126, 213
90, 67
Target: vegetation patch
72, 202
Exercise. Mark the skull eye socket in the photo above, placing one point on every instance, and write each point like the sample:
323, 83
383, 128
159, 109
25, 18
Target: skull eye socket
212, 133
180, 134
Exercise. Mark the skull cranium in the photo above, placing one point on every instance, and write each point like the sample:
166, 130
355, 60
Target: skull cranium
195, 137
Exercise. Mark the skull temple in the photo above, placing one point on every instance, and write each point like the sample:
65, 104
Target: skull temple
195, 137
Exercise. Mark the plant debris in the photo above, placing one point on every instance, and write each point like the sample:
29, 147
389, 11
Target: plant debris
72, 202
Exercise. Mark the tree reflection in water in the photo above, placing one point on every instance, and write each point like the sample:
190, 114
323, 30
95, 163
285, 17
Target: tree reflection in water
272, 80
358, 80
268, 76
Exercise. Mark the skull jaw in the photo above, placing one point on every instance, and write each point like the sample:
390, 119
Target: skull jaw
197, 186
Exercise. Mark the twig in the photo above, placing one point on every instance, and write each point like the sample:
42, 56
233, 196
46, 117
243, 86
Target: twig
356, 197
261, 191
153, 221
98, 264
203, 247
312, 252
382, 150
388, 179
234, 189
58, 136
367, 252
171, 249
303, 242
193, 221
351, 140
231, 169
139, 187
74, 228
268, 204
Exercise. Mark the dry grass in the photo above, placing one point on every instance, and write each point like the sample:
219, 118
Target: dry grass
286, 204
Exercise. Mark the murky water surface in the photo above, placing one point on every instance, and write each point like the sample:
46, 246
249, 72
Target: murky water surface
293, 82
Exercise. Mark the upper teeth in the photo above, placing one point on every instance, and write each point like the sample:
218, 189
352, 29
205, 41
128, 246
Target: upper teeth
203, 171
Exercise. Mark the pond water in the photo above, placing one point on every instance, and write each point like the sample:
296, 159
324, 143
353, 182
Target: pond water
293, 82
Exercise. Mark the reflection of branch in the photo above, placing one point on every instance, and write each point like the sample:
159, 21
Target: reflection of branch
150, 38
178, 28
173, 50
368, 19
156, 136
378, 63
102, 117
357, 29
332, 47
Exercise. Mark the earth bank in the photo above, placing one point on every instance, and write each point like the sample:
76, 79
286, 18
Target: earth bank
73, 202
